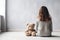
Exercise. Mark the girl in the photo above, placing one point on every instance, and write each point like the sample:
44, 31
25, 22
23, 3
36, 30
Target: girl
44, 23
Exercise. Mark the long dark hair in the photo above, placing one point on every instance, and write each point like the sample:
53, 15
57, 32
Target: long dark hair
44, 11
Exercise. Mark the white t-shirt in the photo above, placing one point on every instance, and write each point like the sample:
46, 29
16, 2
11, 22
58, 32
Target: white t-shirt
44, 28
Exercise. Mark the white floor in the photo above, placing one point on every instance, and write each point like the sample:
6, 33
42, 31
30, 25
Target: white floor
21, 36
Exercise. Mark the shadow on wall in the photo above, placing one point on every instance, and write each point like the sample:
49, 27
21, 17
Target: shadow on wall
2, 28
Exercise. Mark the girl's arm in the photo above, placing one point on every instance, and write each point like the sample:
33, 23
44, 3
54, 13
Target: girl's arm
51, 26
36, 26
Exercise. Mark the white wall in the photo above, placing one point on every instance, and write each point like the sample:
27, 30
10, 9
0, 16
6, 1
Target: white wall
2, 7
21, 12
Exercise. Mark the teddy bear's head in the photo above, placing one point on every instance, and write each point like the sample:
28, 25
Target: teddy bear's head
30, 26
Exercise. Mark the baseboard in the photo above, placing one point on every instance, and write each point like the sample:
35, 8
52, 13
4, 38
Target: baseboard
20, 30
15, 30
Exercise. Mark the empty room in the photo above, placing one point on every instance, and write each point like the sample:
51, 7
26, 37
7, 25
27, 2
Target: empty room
29, 19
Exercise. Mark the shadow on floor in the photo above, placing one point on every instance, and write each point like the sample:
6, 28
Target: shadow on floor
49, 36
55, 36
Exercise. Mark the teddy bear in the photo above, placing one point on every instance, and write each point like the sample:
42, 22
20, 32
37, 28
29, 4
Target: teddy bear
30, 30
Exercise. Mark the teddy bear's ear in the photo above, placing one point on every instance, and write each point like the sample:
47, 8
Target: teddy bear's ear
34, 24
28, 24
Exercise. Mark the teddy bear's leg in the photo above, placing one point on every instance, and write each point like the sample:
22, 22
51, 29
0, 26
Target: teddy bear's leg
33, 33
28, 34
